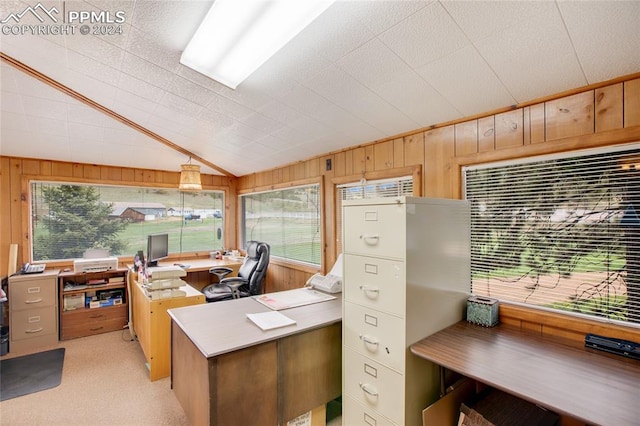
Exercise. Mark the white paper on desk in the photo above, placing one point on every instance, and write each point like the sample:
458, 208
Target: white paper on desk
270, 320
292, 298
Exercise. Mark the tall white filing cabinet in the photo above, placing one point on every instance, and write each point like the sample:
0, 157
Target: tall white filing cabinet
33, 310
406, 276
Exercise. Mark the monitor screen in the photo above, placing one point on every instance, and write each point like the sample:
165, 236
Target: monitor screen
157, 248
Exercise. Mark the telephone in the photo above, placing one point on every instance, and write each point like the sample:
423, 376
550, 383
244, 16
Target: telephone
330, 283
32, 269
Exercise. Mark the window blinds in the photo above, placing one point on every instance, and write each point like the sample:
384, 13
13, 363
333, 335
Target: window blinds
561, 232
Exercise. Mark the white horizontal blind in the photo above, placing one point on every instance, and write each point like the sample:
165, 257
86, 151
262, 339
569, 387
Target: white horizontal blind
369, 189
287, 219
561, 232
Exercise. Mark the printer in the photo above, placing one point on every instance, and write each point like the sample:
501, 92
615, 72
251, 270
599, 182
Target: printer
98, 264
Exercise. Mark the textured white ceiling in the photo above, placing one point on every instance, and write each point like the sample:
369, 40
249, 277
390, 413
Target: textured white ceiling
363, 71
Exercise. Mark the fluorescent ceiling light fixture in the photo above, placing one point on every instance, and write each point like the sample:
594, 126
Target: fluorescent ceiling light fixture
238, 36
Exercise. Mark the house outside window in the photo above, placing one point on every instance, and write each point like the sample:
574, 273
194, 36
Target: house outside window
67, 219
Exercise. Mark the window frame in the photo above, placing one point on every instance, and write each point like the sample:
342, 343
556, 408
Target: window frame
300, 265
497, 159
27, 239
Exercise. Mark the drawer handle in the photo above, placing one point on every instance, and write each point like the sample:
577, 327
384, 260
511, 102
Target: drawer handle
29, 302
368, 340
96, 329
368, 389
371, 240
98, 316
368, 289
37, 330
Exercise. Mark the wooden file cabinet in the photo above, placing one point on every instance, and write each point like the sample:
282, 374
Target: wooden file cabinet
85, 321
33, 311
406, 276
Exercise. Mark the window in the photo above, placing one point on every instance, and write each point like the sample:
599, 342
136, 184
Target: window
288, 220
67, 219
369, 189
562, 232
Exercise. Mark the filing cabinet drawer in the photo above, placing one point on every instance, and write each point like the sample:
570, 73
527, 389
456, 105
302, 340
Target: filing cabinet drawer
375, 334
377, 283
374, 385
27, 324
33, 293
375, 230
354, 413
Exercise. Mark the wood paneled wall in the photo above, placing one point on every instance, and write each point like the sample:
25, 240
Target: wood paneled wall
15, 174
599, 115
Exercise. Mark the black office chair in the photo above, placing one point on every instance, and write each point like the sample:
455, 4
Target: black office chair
250, 277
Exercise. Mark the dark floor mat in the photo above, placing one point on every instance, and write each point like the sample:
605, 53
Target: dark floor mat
30, 373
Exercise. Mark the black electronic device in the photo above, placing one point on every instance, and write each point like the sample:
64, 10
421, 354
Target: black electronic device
157, 248
617, 346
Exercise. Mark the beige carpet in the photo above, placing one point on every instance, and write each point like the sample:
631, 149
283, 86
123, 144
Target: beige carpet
104, 382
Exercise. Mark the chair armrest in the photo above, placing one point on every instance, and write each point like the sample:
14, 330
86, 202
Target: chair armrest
220, 271
234, 283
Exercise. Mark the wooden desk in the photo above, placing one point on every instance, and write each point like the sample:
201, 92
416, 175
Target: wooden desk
152, 325
198, 271
586, 384
227, 371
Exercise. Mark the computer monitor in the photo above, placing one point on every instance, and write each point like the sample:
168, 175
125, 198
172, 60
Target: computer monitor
157, 248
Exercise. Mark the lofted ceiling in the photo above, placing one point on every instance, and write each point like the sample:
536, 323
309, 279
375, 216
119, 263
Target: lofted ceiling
363, 71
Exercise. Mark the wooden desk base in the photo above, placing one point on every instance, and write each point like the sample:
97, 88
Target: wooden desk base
271, 383
152, 325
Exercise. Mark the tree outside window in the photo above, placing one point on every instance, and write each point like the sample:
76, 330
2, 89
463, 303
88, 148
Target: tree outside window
68, 219
559, 232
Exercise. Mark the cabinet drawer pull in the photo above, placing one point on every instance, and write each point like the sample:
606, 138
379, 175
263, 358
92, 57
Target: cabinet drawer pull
96, 328
29, 302
371, 240
368, 340
97, 316
368, 389
368, 289
37, 330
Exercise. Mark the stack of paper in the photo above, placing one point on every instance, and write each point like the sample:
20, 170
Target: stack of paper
270, 320
292, 298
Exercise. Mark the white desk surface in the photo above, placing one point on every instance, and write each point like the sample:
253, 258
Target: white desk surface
221, 327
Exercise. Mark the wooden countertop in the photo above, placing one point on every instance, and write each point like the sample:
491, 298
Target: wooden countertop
221, 327
589, 385
196, 265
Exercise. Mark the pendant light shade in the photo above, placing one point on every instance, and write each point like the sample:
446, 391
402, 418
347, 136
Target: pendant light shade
190, 177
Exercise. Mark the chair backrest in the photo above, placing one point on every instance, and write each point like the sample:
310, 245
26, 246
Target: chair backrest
254, 267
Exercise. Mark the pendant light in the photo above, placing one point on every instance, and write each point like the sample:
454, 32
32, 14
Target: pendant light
190, 177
